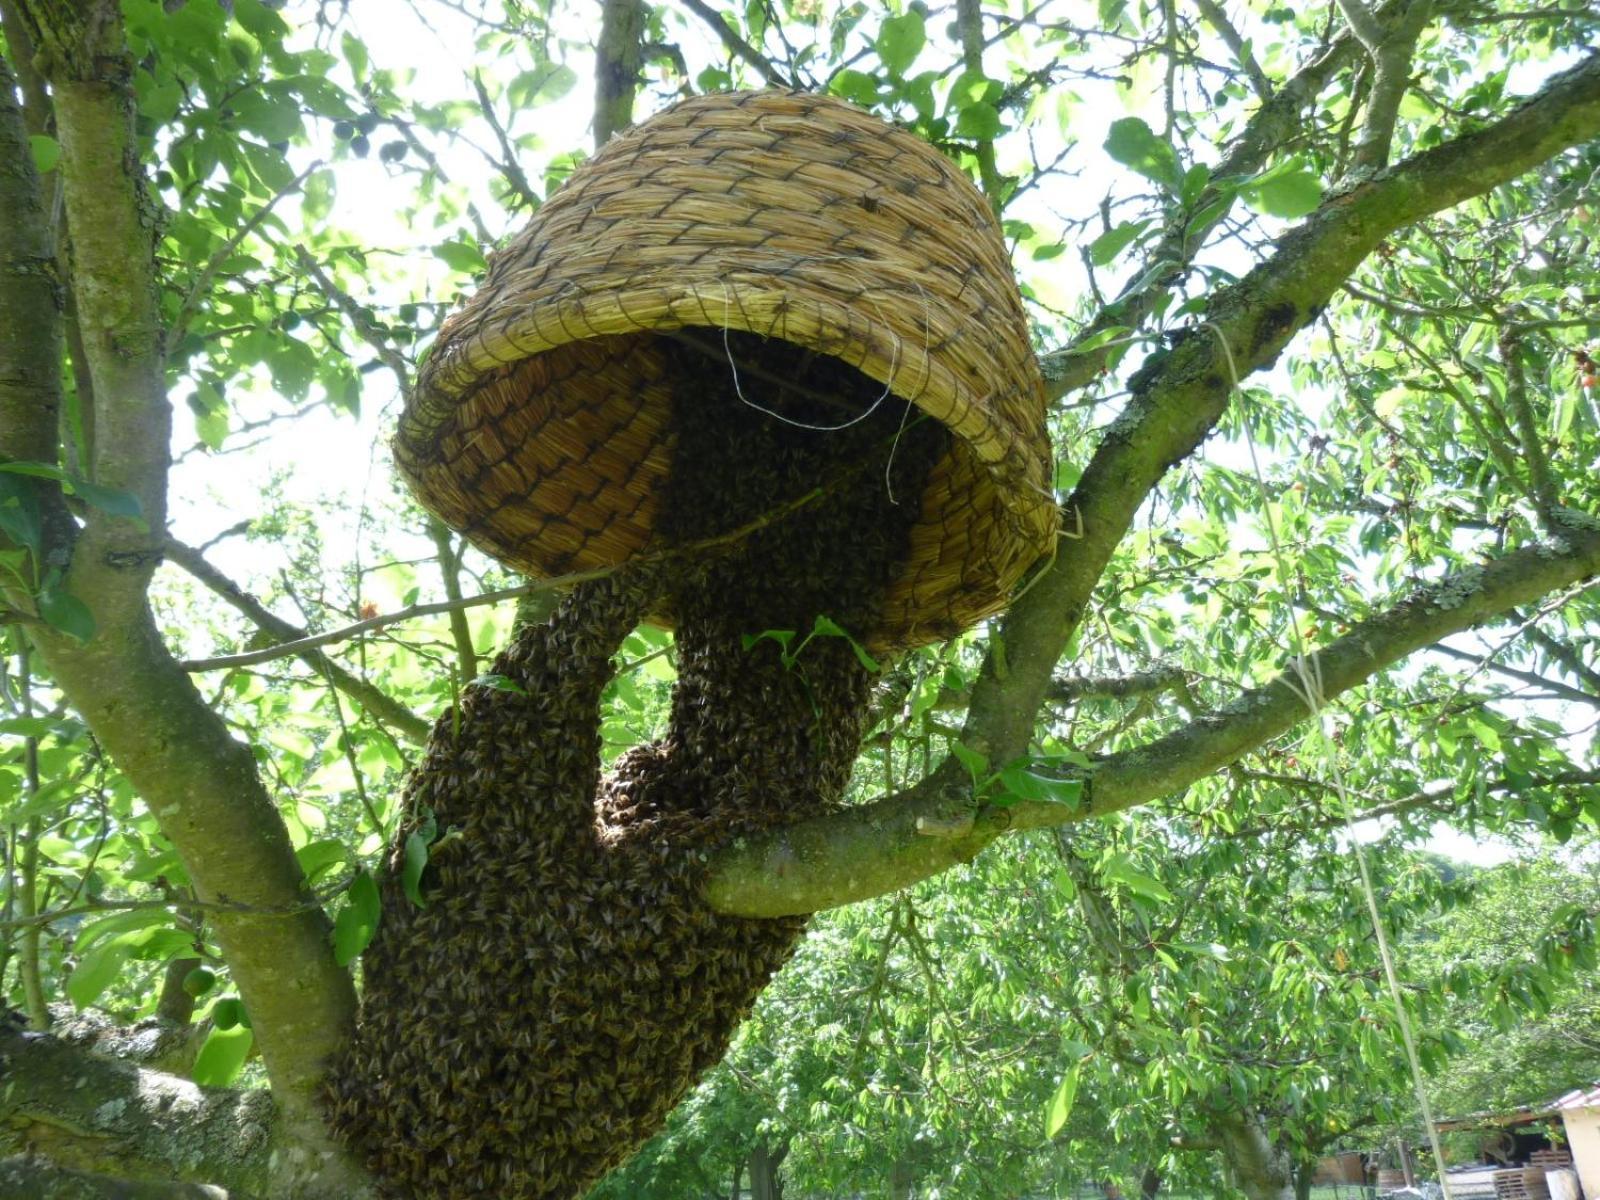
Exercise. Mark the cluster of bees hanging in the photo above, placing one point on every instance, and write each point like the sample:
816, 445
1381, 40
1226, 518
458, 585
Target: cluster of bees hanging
533, 1023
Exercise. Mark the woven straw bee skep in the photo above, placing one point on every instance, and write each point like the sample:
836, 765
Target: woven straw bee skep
540, 423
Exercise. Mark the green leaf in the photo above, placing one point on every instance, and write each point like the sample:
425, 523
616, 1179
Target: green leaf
108, 500
1022, 784
355, 53
461, 256
46, 153
357, 920
827, 628
976, 764
546, 82
900, 40
1287, 195
64, 611
1061, 1103
500, 683
1134, 144
35, 470
416, 861
320, 857
855, 86
34, 727
1113, 242
118, 927
222, 1056
980, 121
95, 972
1120, 869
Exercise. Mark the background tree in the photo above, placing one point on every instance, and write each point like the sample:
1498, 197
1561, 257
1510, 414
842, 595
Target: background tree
1362, 186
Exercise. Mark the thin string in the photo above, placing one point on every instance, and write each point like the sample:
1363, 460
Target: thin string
905, 415
1308, 670
738, 388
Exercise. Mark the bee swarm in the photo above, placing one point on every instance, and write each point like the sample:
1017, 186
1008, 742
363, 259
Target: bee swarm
532, 1025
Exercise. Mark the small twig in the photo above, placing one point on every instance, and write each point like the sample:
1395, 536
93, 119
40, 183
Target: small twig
361, 320
225, 252
508, 163
1224, 28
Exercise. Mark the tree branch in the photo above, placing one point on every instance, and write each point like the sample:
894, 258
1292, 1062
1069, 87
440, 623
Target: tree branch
1391, 49
863, 852
1278, 119
1178, 397
737, 45
1218, 20
969, 19
619, 54
89, 1113
374, 699
201, 784
1529, 677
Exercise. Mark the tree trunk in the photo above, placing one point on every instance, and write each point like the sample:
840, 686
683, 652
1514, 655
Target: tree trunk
1255, 1165
764, 1160
901, 1179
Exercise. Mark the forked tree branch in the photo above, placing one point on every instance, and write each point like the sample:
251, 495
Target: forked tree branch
863, 852
1176, 402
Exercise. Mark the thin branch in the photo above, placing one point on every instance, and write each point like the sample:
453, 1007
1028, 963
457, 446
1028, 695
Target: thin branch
1567, 657
1224, 28
361, 320
509, 167
736, 44
1166, 262
450, 571
202, 281
372, 698
1527, 677
1527, 426
969, 19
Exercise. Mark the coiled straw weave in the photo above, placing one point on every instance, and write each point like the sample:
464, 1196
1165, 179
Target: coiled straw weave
539, 426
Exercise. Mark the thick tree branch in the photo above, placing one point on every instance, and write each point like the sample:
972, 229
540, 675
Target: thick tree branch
619, 54
30, 348
201, 784
1390, 46
1177, 401
867, 851
374, 699
1179, 397
91, 1113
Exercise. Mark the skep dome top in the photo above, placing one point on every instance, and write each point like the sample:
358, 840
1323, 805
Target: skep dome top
540, 426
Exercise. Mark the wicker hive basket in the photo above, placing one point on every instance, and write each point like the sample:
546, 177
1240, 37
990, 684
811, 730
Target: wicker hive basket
540, 423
